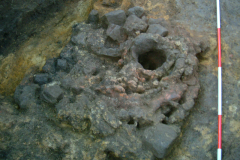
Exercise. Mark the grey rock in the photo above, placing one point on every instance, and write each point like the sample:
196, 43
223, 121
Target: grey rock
134, 24
93, 17
137, 11
25, 95
157, 29
49, 66
117, 17
111, 52
52, 94
160, 21
116, 32
159, 138
80, 39
62, 64
41, 78
67, 53
145, 42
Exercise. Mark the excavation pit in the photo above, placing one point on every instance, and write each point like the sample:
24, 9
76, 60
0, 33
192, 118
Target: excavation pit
152, 59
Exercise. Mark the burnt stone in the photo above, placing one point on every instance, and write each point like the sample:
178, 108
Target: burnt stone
52, 94
49, 66
157, 29
62, 64
93, 17
80, 39
159, 138
41, 78
137, 11
160, 21
134, 24
24, 96
116, 32
117, 17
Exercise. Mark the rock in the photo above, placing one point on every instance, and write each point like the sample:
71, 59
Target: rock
67, 53
41, 78
25, 95
134, 24
80, 39
49, 66
144, 43
77, 89
137, 11
93, 17
62, 64
117, 17
116, 32
159, 138
132, 85
52, 94
160, 21
67, 82
111, 52
157, 29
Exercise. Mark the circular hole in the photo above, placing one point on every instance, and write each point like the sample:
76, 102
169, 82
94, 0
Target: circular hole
152, 59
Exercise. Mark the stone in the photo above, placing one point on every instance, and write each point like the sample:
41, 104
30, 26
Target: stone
80, 39
159, 138
52, 94
116, 32
117, 17
144, 43
25, 95
134, 24
41, 78
157, 29
62, 64
137, 11
67, 53
77, 89
49, 66
160, 21
93, 17
111, 52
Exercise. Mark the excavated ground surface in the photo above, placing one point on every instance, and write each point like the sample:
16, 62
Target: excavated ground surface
47, 130
118, 90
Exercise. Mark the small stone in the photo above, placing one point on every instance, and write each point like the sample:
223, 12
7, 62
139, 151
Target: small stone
62, 64
25, 95
145, 19
117, 17
132, 84
134, 24
116, 32
76, 89
52, 94
49, 66
137, 11
159, 138
93, 17
155, 83
157, 29
160, 21
80, 39
140, 89
119, 89
41, 78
